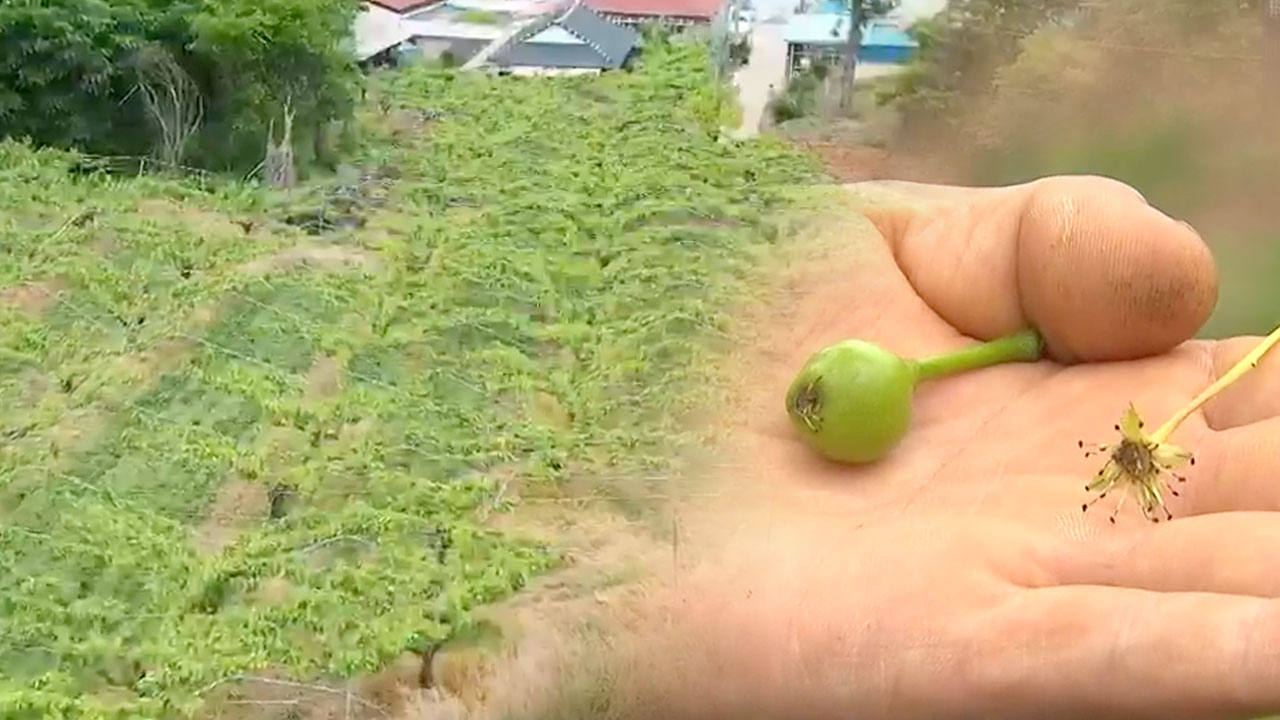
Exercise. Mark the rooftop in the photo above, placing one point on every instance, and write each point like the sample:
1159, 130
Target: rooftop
563, 41
471, 19
659, 8
833, 29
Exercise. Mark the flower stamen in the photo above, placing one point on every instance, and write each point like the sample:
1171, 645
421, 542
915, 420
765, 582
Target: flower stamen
1143, 464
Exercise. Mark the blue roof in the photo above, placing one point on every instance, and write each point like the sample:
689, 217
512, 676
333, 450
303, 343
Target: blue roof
827, 28
887, 34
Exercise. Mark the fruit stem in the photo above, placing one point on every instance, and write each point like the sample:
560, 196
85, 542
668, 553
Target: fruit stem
1022, 346
1247, 363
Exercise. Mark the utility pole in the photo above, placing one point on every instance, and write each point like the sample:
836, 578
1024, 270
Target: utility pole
720, 30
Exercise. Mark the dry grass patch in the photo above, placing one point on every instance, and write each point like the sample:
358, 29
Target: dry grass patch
324, 379
33, 298
238, 505
207, 223
320, 257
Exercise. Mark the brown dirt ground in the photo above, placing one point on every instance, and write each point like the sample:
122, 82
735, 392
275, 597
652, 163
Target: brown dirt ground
34, 298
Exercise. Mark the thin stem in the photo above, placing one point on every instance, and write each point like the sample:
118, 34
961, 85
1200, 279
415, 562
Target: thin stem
1247, 363
1022, 346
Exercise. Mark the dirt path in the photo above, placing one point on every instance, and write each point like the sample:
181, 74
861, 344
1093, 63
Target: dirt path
766, 68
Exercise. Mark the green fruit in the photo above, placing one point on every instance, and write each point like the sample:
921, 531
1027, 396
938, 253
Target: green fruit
851, 401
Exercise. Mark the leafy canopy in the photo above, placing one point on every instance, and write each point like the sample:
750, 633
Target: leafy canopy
69, 72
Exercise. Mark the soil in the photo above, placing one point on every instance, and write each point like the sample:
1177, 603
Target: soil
850, 163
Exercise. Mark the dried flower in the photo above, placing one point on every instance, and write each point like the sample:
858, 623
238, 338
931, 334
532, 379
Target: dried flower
1140, 464
1143, 464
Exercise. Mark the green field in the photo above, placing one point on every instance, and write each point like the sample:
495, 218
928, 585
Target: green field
248, 432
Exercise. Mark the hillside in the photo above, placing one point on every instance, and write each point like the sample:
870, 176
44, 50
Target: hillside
250, 434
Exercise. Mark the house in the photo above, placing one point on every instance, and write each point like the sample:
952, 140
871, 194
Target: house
573, 39
822, 37
885, 43
378, 32
514, 36
672, 13
388, 30
457, 31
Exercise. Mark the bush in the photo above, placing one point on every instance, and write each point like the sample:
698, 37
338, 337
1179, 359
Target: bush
801, 96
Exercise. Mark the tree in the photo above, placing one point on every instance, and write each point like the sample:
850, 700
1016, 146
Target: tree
274, 60
859, 12
962, 48
1271, 44
175, 78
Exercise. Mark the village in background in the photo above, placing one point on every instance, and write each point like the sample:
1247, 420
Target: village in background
784, 56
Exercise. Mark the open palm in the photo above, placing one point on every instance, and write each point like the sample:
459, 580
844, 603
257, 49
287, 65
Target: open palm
959, 577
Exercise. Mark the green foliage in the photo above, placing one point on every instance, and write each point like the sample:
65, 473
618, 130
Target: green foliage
479, 17
802, 95
264, 57
963, 46
69, 72
63, 71
219, 460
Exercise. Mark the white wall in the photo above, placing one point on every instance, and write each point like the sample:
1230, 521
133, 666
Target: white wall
376, 29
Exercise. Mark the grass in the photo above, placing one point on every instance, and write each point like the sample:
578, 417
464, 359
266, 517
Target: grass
479, 17
248, 433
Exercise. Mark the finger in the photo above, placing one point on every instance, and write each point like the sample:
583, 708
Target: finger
1232, 553
1107, 652
1107, 275
1237, 469
1102, 274
1254, 397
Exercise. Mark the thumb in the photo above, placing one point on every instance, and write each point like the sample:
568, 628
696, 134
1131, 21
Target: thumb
1098, 271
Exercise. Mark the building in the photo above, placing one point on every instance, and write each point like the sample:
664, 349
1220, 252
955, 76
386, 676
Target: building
513, 36
822, 37
575, 39
463, 30
884, 42
672, 13
378, 32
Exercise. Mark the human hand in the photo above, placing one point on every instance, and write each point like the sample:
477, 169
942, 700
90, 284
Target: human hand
959, 577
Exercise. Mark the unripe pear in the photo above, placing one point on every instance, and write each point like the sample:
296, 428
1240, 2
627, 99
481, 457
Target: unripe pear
851, 401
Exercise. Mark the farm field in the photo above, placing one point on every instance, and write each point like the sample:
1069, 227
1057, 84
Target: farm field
248, 433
